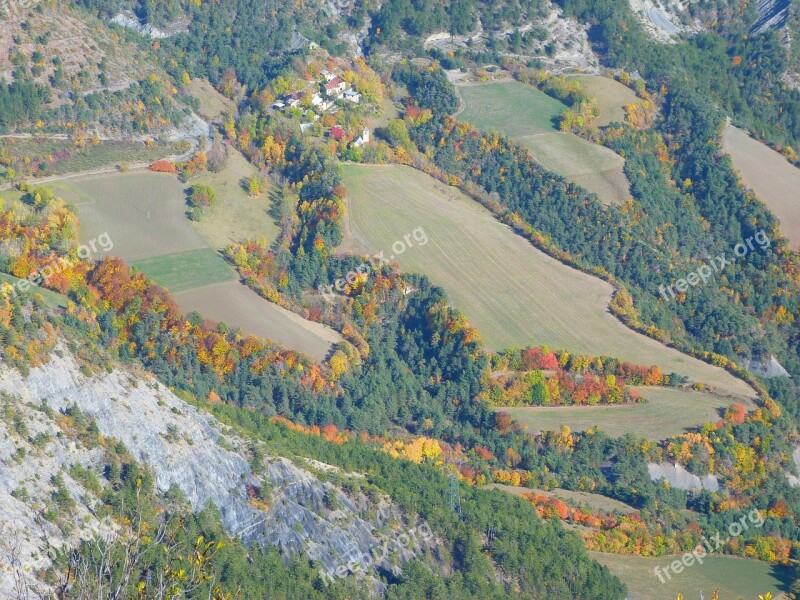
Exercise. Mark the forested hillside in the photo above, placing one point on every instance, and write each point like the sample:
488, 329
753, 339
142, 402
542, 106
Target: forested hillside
410, 411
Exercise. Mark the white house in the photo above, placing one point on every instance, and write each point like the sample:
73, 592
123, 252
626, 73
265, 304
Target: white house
335, 86
353, 96
293, 99
362, 139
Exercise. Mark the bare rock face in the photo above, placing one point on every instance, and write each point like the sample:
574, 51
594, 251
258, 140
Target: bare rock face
680, 478
665, 19
567, 38
767, 367
183, 447
772, 15
794, 481
129, 21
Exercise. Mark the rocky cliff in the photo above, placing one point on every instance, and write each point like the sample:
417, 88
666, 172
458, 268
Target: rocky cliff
183, 447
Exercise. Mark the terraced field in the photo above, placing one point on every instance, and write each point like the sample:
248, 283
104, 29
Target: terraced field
773, 178
144, 216
513, 293
530, 117
666, 413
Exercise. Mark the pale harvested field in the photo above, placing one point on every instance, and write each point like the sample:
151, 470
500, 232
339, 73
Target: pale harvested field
513, 293
530, 117
212, 103
591, 166
773, 178
236, 216
667, 413
165, 245
143, 213
239, 306
611, 96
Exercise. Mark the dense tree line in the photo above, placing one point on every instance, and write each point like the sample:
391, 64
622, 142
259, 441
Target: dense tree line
21, 102
729, 66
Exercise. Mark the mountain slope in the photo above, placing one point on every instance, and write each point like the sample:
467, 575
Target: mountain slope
185, 449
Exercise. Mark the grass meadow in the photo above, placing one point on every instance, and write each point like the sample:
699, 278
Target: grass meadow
667, 413
733, 577
611, 96
144, 215
530, 117
512, 292
773, 178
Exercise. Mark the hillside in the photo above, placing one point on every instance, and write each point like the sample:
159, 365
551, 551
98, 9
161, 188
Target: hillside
513, 293
530, 118
399, 299
186, 450
769, 175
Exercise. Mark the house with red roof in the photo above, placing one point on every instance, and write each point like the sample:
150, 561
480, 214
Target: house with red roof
335, 86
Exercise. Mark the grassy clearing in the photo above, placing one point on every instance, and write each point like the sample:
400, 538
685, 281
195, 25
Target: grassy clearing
611, 96
52, 299
239, 306
212, 103
65, 158
773, 178
667, 413
143, 213
513, 293
186, 270
733, 577
594, 501
236, 216
530, 117
510, 107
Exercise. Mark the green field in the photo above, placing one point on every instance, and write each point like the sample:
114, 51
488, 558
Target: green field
513, 293
186, 270
144, 215
734, 577
611, 96
667, 413
53, 299
510, 107
236, 216
530, 117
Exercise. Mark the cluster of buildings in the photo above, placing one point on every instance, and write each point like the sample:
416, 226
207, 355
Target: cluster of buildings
323, 95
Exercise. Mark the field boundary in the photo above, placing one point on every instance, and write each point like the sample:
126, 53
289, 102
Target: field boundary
758, 392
